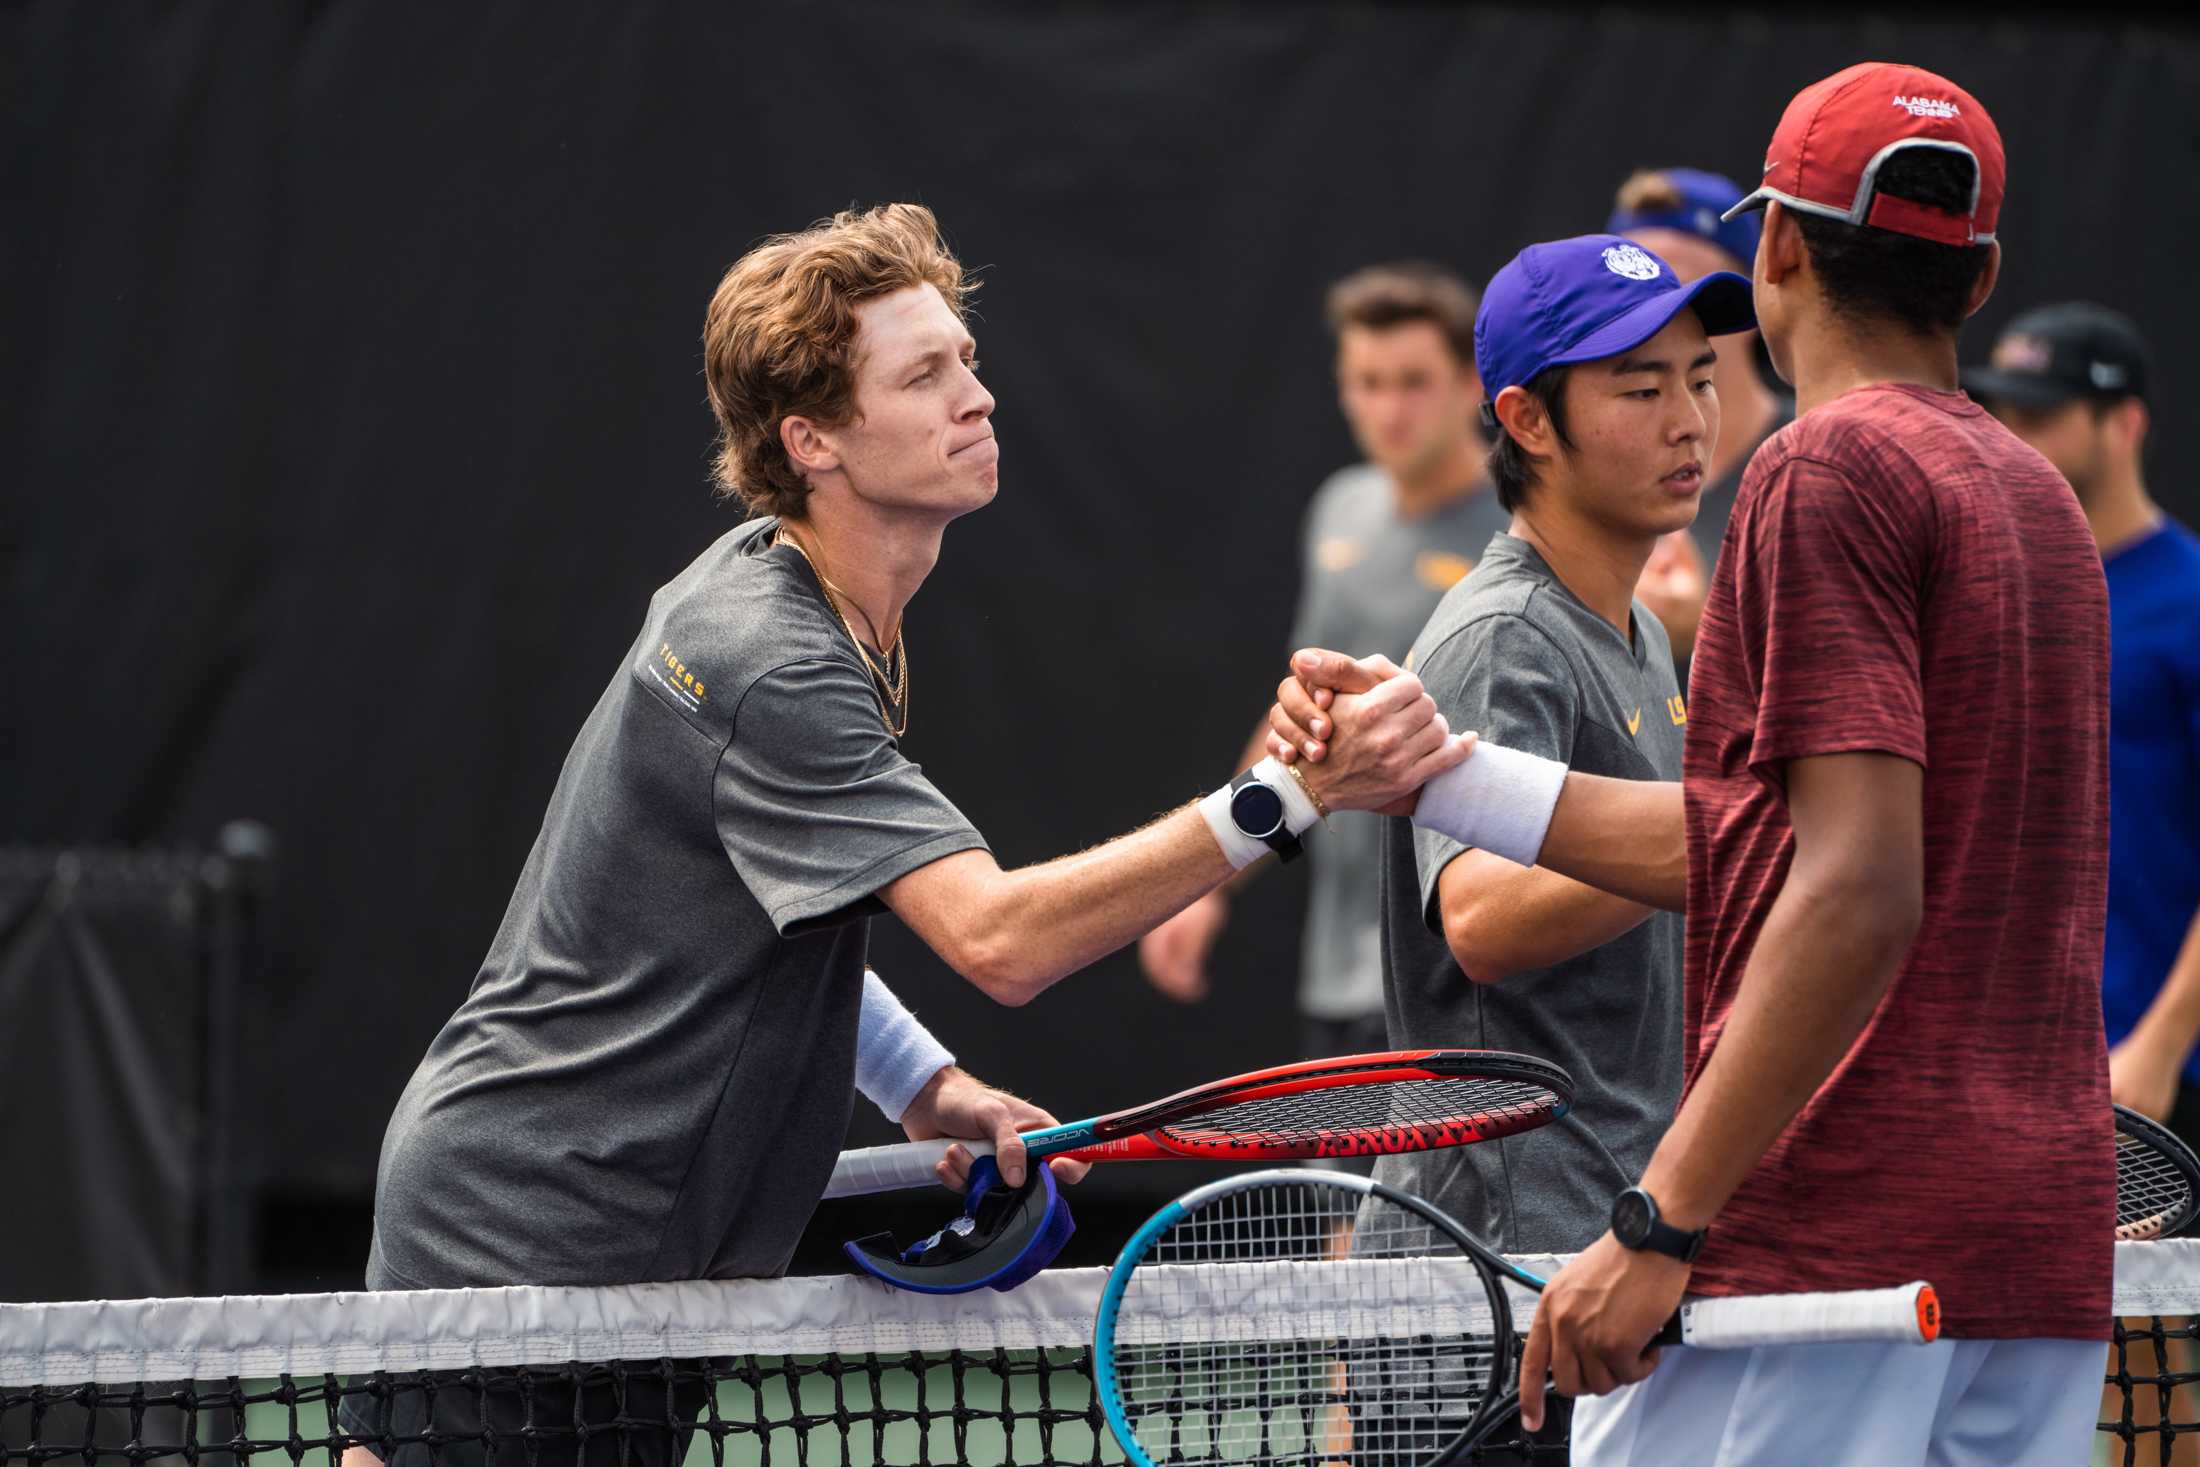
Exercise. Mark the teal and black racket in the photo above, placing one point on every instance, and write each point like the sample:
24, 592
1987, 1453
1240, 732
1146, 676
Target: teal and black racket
1320, 1317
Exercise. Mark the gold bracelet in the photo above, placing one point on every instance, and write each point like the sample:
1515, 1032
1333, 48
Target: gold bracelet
1319, 808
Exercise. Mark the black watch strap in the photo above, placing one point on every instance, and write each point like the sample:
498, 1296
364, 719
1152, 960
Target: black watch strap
1280, 840
1636, 1224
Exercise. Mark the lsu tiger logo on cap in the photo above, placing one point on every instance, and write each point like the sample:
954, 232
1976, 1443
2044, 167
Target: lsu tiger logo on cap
1633, 262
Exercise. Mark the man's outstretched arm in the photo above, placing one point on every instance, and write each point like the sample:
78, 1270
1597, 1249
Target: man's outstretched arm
1014, 933
1500, 918
1623, 836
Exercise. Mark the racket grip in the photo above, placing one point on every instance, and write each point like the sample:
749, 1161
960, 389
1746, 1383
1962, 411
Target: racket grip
1908, 1314
892, 1168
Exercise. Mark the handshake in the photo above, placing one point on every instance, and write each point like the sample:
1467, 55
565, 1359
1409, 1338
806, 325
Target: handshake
1369, 734
1364, 734
1369, 731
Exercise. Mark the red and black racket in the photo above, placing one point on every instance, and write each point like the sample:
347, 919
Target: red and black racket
1355, 1105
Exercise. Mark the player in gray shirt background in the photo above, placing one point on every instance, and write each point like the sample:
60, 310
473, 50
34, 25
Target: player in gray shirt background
1384, 540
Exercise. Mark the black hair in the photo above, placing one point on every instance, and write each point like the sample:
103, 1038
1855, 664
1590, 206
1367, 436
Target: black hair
1877, 274
1512, 468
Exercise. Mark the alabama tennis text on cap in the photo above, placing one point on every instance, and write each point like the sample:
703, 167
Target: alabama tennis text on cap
1827, 151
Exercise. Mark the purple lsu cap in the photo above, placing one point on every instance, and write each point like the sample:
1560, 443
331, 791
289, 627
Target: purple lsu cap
1587, 298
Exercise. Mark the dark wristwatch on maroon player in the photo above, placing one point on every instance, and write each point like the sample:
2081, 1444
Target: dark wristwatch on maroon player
1637, 1226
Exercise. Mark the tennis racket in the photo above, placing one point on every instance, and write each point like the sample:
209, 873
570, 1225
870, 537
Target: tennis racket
2157, 1179
1313, 1316
1356, 1105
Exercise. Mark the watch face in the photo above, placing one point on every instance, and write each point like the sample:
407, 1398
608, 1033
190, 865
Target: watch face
1257, 810
1631, 1218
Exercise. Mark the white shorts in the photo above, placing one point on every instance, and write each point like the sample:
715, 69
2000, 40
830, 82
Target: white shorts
1953, 1403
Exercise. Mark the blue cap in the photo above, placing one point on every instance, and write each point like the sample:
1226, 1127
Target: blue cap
1705, 200
1587, 298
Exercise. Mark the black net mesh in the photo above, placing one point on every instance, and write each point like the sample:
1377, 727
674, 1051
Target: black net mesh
925, 1381
2150, 1411
1004, 1406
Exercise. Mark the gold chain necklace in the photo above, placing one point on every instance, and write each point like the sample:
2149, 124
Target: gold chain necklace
893, 692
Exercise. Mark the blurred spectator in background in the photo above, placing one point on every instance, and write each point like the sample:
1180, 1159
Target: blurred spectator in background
2072, 381
1384, 540
1675, 214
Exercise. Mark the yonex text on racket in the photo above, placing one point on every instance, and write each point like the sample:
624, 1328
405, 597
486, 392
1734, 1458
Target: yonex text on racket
1354, 1105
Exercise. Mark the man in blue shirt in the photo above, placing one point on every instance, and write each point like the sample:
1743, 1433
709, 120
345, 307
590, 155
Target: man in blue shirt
2072, 380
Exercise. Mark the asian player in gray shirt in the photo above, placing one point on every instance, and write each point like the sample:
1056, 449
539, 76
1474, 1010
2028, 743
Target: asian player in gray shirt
1601, 449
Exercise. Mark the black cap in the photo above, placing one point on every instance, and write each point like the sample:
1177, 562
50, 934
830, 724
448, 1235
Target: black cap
2054, 354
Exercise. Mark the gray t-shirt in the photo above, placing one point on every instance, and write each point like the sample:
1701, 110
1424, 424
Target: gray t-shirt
652, 1073
1513, 654
1370, 579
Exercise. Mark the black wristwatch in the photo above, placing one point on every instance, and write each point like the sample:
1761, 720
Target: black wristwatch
1635, 1222
1257, 810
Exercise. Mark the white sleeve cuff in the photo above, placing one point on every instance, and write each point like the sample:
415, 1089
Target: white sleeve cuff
1497, 800
895, 1055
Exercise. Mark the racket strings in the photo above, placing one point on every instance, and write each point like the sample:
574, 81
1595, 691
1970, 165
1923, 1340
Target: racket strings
1292, 1323
1348, 1120
2153, 1193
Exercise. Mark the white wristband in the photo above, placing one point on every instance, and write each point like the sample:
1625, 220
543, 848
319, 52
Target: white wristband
1240, 849
1498, 800
895, 1055
1299, 814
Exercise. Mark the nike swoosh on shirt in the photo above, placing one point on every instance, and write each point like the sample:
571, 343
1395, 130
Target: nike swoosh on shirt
1634, 723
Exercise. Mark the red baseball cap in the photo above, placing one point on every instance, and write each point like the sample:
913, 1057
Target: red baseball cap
1826, 153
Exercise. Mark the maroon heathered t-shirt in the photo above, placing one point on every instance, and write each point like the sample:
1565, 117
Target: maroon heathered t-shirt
1903, 575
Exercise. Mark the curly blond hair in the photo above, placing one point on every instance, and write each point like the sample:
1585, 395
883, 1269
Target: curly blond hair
779, 339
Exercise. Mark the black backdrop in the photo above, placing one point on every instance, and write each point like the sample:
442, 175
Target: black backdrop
354, 408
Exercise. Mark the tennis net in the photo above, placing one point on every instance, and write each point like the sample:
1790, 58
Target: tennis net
822, 1372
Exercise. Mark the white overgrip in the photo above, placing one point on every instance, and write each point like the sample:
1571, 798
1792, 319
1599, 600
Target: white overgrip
893, 1168
1908, 1313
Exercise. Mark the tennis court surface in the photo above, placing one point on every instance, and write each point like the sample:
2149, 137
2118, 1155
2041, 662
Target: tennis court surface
815, 1371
